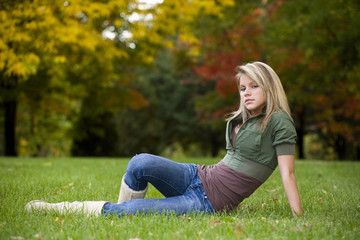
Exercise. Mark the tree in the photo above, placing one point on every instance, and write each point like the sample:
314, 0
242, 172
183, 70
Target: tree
222, 49
316, 47
46, 54
319, 72
170, 116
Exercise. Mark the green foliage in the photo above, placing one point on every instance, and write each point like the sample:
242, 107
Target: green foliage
170, 117
316, 49
52, 56
165, 77
329, 193
313, 45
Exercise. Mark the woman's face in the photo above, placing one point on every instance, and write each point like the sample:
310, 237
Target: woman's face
252, 96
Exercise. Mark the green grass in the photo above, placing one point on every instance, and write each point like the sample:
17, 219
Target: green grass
329, 191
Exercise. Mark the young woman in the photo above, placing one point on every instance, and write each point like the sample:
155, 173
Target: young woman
259, 136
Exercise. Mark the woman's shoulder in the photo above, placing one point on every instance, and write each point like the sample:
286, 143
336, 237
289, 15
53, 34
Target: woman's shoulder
281, 118
282, 128
281, 114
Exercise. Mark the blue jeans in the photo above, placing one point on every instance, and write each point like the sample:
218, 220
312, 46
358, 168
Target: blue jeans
178, 182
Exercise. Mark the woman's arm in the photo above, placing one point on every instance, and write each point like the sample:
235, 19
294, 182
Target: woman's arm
287, 171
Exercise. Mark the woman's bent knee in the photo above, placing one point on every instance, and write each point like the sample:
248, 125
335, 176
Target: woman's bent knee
137, 163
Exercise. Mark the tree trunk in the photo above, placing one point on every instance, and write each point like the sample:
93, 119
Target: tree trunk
214, 144
301, 133
10, 106
340, 147
10, 120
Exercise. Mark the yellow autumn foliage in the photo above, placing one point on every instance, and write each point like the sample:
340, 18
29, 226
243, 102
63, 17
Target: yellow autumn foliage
58, 53
32, 31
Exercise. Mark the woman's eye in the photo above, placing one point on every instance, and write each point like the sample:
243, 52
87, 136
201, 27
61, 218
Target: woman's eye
242, 89
254, 86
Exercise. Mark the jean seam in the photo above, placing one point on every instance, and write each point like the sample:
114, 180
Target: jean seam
191, 166
164, 182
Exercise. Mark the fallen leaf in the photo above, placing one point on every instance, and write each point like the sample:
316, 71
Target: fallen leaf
38, 235
275, 197
274, 190
321, 200
238, 230
56, 219
214, 223
62, 221
308, 225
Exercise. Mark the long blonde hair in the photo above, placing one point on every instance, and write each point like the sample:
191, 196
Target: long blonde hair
270, 83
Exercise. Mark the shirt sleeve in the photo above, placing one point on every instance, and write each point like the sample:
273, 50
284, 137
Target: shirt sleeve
285, 149
284, 135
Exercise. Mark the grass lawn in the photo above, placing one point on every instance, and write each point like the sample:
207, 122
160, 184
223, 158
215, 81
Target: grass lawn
330, 195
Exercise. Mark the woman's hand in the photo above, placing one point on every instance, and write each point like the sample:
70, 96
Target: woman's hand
287, 171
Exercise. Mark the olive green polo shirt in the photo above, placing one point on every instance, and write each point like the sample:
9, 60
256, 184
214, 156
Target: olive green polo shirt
255, 153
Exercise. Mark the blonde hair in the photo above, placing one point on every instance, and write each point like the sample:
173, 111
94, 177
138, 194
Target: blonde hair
270, 83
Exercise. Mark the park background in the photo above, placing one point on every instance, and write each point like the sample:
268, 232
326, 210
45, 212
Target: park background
86, 84
116, 78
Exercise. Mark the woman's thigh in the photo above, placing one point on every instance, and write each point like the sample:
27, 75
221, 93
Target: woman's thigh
169, 177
